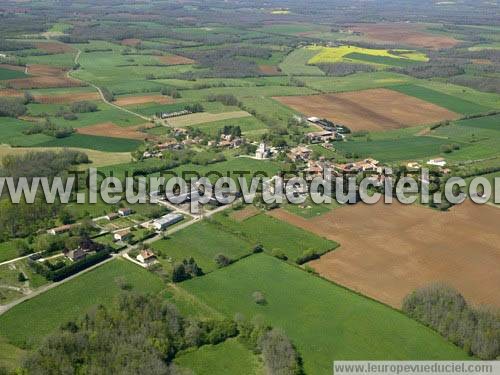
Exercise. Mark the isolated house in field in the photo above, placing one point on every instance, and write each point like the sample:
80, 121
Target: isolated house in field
146, 257
125, 211
438, 162
122, 235
60, 230
75, 255
165, 221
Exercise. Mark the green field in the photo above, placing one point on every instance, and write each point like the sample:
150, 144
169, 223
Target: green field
453, 103
11, 132
7, 251
296, 63
93, 142
326, 322
250, 126
355, 82
11, 74
380, 60
28, 323
277, 235
228, 358
10, 355
348, 53
203, 242
395, 149
486, 123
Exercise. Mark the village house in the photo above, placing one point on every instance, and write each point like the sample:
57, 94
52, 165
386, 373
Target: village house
60, 230
321, 137
75, 255
316, 168
413, 166
366, 165
152, 154
177, 132
146, 257
165, 221
300, 153
122, 235
112, 216
438, 162
263, 152
168, 144
125, 211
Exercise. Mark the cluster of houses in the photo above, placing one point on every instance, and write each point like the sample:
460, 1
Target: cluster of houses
228, 141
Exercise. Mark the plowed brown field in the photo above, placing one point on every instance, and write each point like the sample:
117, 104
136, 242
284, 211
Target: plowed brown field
54, 47
403, 33
374, 110
67, 98
175, 60
143, 99
109, 129
387, 251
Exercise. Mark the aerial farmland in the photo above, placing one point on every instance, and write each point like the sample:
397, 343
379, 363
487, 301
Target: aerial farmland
196, 144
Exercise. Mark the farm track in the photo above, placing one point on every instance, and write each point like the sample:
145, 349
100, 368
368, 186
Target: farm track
101, 94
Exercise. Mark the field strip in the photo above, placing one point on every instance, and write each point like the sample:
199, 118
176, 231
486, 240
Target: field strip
43, 289
102, 95
205, 117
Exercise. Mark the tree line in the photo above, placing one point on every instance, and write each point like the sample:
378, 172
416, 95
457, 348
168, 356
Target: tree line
476, 330
143, 334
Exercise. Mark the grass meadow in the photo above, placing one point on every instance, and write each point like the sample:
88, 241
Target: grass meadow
28, 323
352, 327
453, 103
276, 235
11, 74
227, 358
206, 240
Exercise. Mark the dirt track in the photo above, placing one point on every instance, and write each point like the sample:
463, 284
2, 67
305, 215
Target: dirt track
387, 251
402, 33
374, 110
